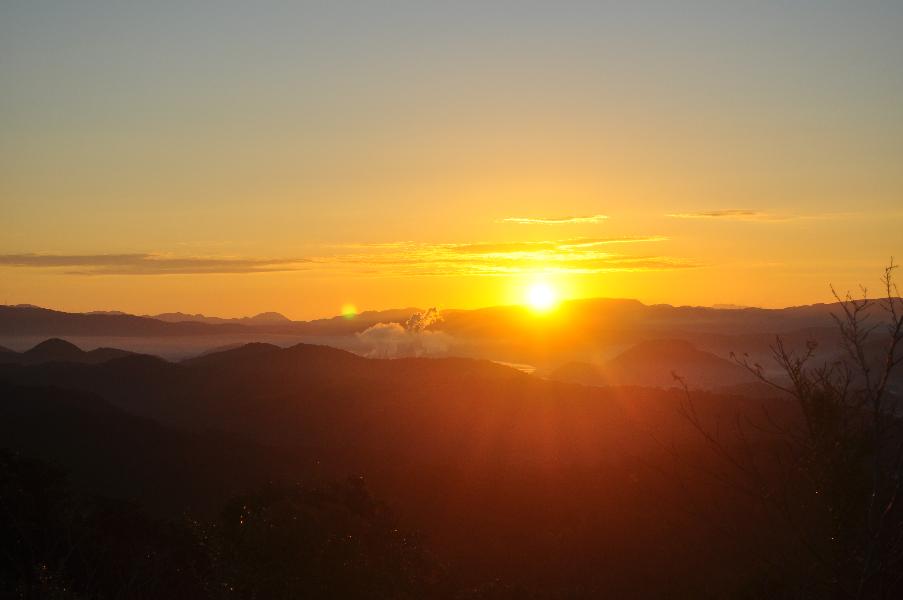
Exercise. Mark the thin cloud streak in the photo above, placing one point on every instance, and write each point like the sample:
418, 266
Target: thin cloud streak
730, 215
572, 255
148, 264
554, 221
575, 256
758, 216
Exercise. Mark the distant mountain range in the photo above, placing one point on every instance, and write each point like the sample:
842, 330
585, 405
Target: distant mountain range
265, 318
26, 320
33, 320
588, 316
352, 413
590, 331
650, 363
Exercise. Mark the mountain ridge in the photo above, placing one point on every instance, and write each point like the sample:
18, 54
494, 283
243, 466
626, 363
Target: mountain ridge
60, 350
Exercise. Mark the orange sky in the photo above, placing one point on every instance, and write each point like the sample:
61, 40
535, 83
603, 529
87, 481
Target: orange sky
228, 160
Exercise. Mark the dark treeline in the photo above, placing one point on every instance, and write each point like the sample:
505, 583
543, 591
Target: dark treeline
281, 541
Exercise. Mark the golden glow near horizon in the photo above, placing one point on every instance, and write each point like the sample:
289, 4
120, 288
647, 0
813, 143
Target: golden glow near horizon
293, 156
541, 297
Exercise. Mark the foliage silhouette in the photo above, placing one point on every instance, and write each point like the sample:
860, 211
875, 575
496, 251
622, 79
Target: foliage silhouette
278, 542
829, 478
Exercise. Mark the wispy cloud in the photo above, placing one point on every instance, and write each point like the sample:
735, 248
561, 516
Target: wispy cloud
731, 215
554, 220
148, 264
760, 216
578, 256
573, 255
569, 244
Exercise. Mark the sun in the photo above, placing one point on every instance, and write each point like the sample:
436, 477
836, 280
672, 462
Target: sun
541, 297
349, 311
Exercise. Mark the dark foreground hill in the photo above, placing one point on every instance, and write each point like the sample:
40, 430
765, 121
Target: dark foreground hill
545, 484
111, 452
351, 407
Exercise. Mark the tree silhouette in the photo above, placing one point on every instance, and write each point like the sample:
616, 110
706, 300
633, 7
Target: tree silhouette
828, 478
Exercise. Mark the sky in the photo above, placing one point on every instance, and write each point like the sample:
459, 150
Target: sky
236, 157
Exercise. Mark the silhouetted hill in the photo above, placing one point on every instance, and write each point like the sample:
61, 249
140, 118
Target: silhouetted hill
319, 397
124, 456
238, 353
57, 350
653, 363
267, 317
53, 350
352, 414
579, 372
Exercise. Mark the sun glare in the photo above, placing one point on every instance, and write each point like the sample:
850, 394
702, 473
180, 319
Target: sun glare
541, 297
